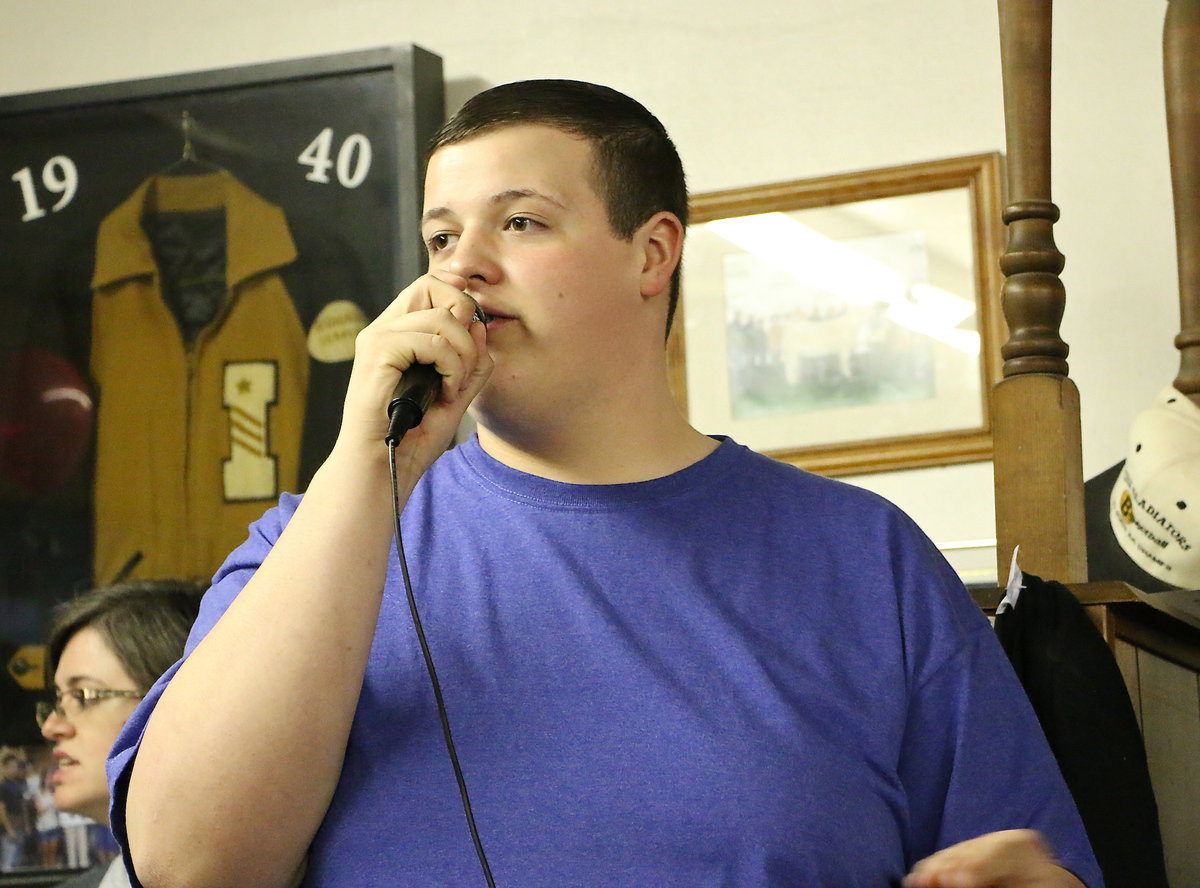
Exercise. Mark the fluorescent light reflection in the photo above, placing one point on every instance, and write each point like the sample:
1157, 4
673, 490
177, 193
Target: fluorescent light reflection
835, 268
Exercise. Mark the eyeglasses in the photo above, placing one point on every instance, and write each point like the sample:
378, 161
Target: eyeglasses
68, 704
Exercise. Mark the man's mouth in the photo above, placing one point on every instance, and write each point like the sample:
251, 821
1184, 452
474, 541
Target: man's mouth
488, 313
495, 318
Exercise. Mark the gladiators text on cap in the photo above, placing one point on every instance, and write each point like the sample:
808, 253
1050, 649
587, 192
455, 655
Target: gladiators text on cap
1154, 509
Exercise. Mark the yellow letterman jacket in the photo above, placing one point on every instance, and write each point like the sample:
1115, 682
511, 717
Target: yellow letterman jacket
193, 440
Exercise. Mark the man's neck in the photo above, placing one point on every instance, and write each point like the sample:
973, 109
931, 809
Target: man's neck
602, 449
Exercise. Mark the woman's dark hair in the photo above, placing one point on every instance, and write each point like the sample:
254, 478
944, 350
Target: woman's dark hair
144, 622
636, 169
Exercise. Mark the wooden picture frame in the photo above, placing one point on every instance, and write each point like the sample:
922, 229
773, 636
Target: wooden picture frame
830, 322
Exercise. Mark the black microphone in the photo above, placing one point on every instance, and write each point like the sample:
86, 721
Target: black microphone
415, 391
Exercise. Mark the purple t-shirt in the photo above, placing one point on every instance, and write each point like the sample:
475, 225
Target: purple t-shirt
740, 675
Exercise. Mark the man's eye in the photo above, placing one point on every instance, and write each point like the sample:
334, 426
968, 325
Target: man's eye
437, 242
522, 223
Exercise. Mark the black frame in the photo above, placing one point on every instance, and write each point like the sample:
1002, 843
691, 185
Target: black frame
97, 143
418, 97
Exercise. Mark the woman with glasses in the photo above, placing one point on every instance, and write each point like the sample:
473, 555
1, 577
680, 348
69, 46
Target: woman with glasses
106, 648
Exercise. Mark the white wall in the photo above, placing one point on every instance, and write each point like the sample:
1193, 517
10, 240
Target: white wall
761, 91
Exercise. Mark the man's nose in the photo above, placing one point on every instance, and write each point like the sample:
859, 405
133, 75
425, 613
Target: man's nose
474, 257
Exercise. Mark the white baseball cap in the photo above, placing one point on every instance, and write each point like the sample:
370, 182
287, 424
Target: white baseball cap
1154, 509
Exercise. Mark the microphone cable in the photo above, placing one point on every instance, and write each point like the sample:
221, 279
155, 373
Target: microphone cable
392, 441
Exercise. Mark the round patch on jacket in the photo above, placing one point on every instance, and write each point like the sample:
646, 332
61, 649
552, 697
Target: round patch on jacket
331, 337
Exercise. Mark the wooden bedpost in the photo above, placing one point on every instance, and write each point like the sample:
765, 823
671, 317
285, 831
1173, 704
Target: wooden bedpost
1181, 82
1035, 407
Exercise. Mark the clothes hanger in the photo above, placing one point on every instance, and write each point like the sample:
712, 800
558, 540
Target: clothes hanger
189, 164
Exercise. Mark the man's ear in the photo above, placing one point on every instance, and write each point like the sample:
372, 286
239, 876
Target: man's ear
661, 237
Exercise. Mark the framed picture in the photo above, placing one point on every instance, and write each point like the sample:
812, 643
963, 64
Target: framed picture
849, 323
185, 263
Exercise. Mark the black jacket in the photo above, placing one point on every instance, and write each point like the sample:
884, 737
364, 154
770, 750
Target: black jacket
1076, 688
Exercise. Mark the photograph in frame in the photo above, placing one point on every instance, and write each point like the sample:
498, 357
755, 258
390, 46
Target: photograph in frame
849, 323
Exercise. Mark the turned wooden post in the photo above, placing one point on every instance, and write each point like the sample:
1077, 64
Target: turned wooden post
1181, 82
1035, 407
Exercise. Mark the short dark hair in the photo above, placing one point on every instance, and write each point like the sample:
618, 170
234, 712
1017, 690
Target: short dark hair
636, 169
145, 623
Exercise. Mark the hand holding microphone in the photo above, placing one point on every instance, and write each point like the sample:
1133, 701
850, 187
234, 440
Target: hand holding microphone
430, 322
415, 391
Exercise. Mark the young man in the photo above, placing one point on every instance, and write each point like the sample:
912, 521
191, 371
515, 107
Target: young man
667, 660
